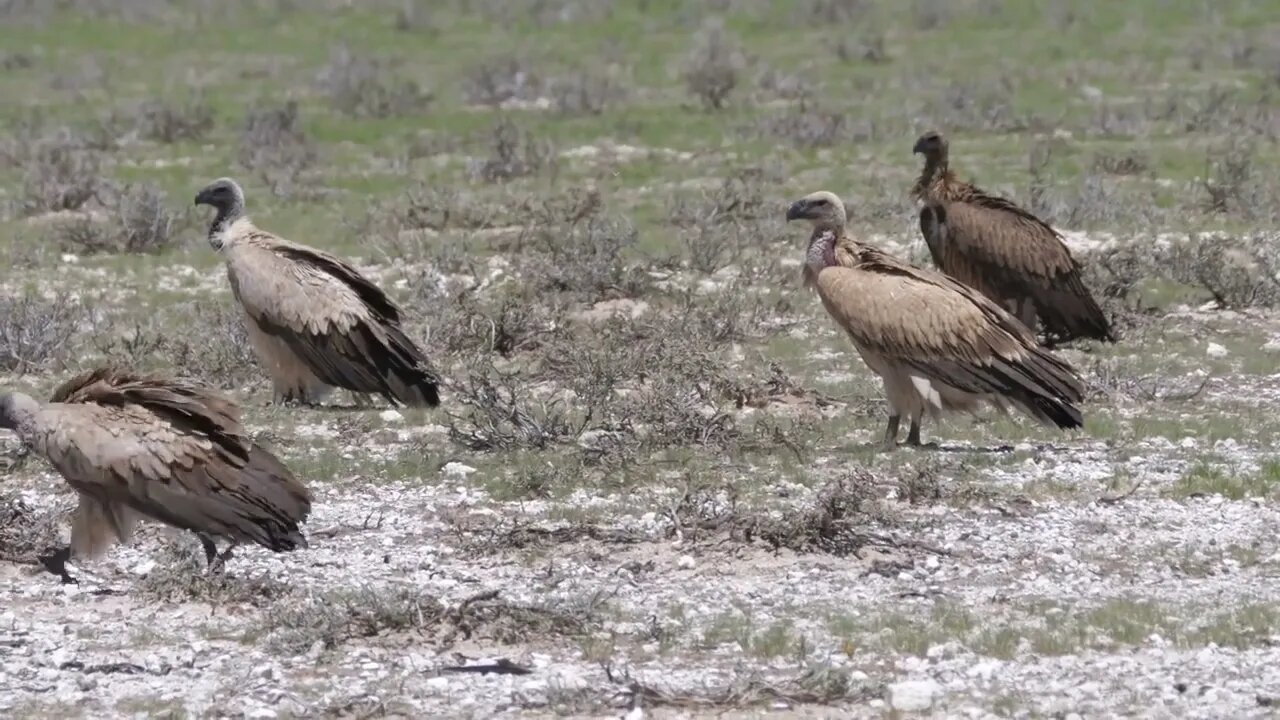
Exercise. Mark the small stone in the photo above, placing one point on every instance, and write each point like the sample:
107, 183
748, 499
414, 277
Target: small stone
390, 416
911, 695
438, 683
686, 562
1216, 351
1272, 346
144, 568
261, 714
456, 470
316, 649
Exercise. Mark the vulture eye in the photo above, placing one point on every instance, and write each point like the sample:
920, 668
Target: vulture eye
819, 203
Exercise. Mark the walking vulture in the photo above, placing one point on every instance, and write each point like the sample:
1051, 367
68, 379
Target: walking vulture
143, 446
937, 344
314, 321
1006, 253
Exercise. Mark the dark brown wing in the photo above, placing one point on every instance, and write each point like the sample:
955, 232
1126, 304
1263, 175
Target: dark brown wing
176, 452
1009, 254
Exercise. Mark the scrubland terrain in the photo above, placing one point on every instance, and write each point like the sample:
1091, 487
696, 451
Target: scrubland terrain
651, 487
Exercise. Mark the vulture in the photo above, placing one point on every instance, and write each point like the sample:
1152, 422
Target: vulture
313, 320
1013, 257
136, 446
938, 345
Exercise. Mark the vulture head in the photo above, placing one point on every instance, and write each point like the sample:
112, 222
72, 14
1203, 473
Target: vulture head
16, 410
821, 208
225, 195
933, 146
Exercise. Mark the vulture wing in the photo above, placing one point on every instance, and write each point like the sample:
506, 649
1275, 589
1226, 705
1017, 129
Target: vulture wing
1005, 252
341, 325
948, 333
171, 451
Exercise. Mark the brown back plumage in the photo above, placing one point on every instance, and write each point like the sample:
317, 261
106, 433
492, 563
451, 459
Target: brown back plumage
1003, 251
170, 450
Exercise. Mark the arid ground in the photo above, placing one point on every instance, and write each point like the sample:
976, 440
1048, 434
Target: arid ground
651, 489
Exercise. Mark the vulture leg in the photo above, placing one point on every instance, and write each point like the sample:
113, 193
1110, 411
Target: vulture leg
1027, 314
56, 563
913, 435
220, 561
891, 433
210, 550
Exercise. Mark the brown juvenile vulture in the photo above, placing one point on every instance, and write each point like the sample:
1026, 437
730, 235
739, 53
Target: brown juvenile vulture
1006, 253
142, 446
314, 321
937, 344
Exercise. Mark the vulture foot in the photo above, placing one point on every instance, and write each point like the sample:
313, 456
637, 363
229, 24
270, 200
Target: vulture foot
210, 550
890, 441
220, 561
56, 563
913, 435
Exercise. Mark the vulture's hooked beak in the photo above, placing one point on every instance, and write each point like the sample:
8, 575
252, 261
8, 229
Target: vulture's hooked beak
918, 147
797, 210
202, 198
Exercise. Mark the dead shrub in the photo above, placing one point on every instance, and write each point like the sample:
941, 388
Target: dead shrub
136, 221
808, 125
585, 259
35, 332
146, 224
713, 66
586, 92
843, 517
513, 153
504, 414
500, 81
744, 194
274, 145
1238, 272
512, 323
331, 618
215, 345
189, 119
26, 532
1233, 186
59, 173
360, 86
710, 247
180, 576
1121, 163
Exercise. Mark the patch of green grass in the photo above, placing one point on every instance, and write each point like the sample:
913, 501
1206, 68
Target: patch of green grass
778, 638
1052, 629
1204, 479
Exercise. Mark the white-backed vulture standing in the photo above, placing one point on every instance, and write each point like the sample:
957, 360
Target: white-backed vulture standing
937, 344
1005, 252
314, 321
144, 446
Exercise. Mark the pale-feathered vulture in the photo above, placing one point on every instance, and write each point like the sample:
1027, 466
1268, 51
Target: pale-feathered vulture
937, 344
1006, 253
314, 321
137, 446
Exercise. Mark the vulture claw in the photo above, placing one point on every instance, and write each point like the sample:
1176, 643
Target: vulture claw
56, 562
220, 562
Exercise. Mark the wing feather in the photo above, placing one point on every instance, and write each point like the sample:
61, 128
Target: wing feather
338, 323
949, 333
172, 451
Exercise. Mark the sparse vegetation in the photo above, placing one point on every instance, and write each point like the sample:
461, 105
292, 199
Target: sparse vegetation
651, 438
